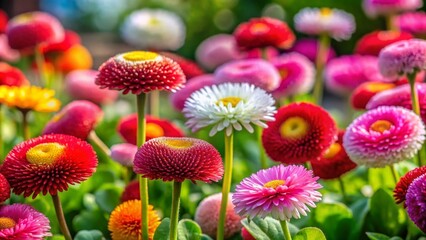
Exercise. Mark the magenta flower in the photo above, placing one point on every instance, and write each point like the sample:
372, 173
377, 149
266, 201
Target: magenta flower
384, 136
412, 22
258, 72
297, 74
388, 7
309, 48
124, 153
416, 202
22, 222
281, 192
403, 57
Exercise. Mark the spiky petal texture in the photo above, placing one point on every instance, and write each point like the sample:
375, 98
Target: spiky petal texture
62, 159
384, 136
412, 22
301, 132
309, 48
388, 7
25, 223
258, 72
140, 72
416, 202
401, 188
177, 159
207, 216
124, 153
189, 68
372, 43
282, 192
178, 98
4, 189
364, 92
11, 76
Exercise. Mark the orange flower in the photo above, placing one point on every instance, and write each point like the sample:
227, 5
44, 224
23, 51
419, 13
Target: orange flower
77, 57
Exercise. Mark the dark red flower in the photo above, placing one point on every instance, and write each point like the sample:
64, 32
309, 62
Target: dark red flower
4, 189
263, 32
155, 127
372, 43
140, 72
401, 187
189, 68
3, 21
71, 38
131, 192
335, 162
11, 76
177, 159
364, 92
48, 164
301, 132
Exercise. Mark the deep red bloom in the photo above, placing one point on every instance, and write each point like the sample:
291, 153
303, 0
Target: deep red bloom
189, 68
263, 32
364, 92
401, 187
71, 38
177, 159
11, 76
335, 162
3, 21
48, 164
301, 132
140, 72
131, 192
246, 235
77, 119
155, 127
372, 43
4, 189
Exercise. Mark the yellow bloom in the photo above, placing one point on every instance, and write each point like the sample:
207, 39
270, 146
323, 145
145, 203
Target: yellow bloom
29, 98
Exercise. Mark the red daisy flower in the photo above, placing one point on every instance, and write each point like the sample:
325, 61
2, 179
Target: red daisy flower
71, 38
155, 127
131, 192
189, 68
11, 76
335, 162
48, 164
3, 21
301, 132
4, 189
401, 187
140, 72
364, 92
77, 119
372, 43
177, 159
263, 32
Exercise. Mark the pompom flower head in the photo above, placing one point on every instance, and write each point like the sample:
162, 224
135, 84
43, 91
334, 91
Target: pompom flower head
140, 72
207, 216
4, 189
154, 29
416, 202
301, 132
20, 221
80, 85
336, 23
62, 159
177, 159
364, 92
372, 43
384, 136
77, 119
125, 221
27, 98
412, 22
282, 192
28, 30
258, 72
124, 153
229, 106
263, 32
297, 74
309, 48
11, 76
401, 188
179, 97
388, 7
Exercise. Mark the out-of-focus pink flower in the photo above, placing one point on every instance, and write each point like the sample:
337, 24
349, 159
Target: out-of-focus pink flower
309, 48
178, 98
412, 22
124, 153
387, 7
372, 43
6, 52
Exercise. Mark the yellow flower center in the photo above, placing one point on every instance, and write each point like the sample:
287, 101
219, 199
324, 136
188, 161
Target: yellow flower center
178, 143
6, 223
378, 87
154, 21
232, 100
154, 130
136, 56
294, 127
283, 73
326, 12
333, 150
381, 126
259, 28
45, 153
274, 184
24, 18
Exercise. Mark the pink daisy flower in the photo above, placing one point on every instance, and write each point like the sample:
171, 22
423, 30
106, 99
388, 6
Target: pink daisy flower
258, 72
282, 192
6, 52
124, 153
297, 74
20, 221
309, 48
387, 7
384, 136
416, 202
412, 22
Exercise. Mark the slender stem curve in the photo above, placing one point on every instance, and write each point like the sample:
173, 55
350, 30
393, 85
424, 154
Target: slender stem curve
416, 108
323, 46
342, 188
174, 216
154, 103
394, 173
286, 231
99, 143
61, 218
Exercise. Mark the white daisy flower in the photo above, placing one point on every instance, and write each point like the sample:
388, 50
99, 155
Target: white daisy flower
229, 106
338, 24
154, 29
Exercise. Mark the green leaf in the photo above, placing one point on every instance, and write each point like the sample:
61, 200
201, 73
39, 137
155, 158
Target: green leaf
91, 220
310, 233
379, 236
335, 219
89, 235
163, 230
108, 197
380, 178
205, 237
360, 210
265, 229
188, 230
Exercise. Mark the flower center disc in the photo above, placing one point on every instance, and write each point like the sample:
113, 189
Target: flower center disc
378, 87
326, 12
229, 100
45, 153
136, 56
333, 150
178, 143
294, 127
381, 126
259, 28
274, 184
154, 130
6, 223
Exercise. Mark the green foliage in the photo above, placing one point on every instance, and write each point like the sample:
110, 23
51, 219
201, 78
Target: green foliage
89, 235
309, 233
265, 229
335, 219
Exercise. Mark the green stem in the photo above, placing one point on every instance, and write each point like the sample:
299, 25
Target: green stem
394, 173
61, 218
286, 231
227, 180
39, 58
99, 143
143, 182
174, 216
323, 45
262, 157
342, 188
25, 126
154, 103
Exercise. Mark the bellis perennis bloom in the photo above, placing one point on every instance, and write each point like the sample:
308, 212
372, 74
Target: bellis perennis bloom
229, 106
